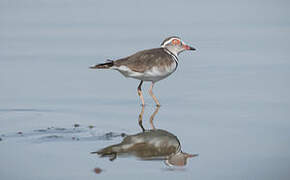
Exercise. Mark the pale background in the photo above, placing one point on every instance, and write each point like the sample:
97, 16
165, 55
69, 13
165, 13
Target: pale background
228, 101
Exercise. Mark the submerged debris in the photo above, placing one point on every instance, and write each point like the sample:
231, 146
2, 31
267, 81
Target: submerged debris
75, 138
110, 135
74, 133
98, 170
76, 125
52, 137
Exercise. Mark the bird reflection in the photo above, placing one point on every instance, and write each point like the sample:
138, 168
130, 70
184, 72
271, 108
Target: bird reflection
154, 144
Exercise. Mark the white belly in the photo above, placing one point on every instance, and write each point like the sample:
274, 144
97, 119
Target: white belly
154, 74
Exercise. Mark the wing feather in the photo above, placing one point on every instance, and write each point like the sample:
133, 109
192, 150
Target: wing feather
145, 60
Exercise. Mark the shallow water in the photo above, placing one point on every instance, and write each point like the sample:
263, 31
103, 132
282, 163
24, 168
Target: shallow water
228, 102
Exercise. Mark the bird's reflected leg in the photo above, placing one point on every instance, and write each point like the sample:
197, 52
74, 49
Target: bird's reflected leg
152, 117
152, 95
113, 157
140, 93
140, 119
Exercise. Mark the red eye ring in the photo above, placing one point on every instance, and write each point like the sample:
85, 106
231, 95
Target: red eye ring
175, 42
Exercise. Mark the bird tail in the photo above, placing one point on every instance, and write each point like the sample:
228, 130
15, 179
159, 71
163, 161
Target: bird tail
107, 151
110, 151
105, 65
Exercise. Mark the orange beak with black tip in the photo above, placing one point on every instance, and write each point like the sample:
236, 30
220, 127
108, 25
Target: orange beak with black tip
187, 47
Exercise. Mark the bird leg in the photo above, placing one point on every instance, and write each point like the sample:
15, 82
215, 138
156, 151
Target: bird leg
153, 96
140, 93
141, 118
152, 117
113, 156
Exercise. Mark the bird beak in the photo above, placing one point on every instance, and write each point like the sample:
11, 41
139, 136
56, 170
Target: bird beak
190, 155
187, 47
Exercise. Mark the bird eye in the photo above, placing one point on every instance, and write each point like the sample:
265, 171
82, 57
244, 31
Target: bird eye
175, 42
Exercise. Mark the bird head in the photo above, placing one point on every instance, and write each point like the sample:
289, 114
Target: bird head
179, 159
175, 45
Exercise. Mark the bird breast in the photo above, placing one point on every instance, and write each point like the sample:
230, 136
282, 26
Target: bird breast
161, 70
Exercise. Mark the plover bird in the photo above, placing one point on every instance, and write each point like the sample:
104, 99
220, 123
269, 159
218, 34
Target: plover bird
149, 65
154, 144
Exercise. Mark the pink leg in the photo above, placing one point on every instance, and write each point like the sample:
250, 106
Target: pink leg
152, 117
152, 95
140, 93
141, 118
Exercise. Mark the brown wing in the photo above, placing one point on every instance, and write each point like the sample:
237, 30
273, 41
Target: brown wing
144, 60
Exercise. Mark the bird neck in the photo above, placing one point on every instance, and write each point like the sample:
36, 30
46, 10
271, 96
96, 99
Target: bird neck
172, 54
173, 50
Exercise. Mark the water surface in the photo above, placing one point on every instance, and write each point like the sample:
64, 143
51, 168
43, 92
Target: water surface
228, 101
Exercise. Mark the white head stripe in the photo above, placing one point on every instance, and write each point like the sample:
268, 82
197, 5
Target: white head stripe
169, 40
